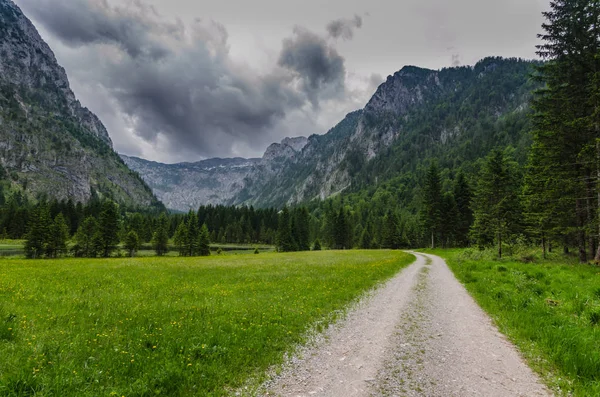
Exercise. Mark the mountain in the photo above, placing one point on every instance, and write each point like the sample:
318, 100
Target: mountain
186, 186
50, 145
454, 116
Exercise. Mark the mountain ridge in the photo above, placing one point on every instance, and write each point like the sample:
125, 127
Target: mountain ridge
378, 142
50, 145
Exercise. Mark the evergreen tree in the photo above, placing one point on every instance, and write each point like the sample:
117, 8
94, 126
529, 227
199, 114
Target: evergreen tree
496, 202
317, 245
204, 241
180, 239
391, 237
84, 239
285, 241
160, 239
59, 235
301, 229
132, 243
464, 213
366, 239
342, 230
563, 159
38, 232
431, 212
449, 220
193, 233
108, 228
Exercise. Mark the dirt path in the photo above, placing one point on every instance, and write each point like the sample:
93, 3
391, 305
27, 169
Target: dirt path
420, 334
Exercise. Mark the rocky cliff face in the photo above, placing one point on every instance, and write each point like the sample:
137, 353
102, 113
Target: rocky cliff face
186, 186
49, 143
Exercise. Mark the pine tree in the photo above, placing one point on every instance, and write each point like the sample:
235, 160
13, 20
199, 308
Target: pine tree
285, 241
317, 245
342, 230
180, 239
431, 212
563, 160
84, 239
496, 202
108, 228
132, 243
59, 235
464, 217
160, 239
38, 232
193, 233
301, 229
204, 241
391, 237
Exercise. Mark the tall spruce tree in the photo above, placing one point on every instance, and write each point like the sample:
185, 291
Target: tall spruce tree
59, 235
160, 239
285, 241
192, 236
391, 234
84, 239
464, 213
108, 228
301, 229
38, 232
431, 212
204, 241
563, 166
496, 202
180, 239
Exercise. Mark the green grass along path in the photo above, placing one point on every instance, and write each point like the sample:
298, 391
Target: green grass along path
169, 326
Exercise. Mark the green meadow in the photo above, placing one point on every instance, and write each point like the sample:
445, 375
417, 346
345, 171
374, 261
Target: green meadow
169, 326
549, 308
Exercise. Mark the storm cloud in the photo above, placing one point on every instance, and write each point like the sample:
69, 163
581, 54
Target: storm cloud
177, 84
344, 28
316, 64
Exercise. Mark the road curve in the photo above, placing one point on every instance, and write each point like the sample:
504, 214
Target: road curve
420, 334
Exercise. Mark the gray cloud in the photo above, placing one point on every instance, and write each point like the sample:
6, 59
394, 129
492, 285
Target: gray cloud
176, 85
316, 64
344, 28
135, 27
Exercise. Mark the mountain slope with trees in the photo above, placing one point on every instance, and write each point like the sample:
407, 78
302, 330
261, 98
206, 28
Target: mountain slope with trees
50, 145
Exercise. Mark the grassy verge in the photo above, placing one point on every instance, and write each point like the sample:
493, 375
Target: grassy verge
168, 326
549, 309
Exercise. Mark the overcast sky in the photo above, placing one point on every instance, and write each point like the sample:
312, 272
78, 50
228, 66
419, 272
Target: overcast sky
184, 80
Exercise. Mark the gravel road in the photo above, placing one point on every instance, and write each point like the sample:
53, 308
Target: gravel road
420, 334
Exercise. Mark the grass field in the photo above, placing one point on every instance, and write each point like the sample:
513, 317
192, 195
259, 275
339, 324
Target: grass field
550, 309
169, 326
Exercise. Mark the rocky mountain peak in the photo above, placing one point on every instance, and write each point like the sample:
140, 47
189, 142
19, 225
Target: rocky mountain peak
27, 61
287, 149
407, 88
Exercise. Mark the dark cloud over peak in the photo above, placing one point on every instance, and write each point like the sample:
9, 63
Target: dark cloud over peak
315, 63
175, 85
344, 28
133, 26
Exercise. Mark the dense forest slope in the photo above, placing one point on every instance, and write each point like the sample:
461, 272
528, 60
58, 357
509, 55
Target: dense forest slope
50, 145
455, 115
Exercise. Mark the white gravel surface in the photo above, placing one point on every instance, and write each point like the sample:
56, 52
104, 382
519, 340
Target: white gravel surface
420, 334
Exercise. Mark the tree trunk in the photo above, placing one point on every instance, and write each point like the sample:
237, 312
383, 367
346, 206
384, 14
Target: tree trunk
590, 214
500, 245
544, 246
432, 240
581, 244
597, 128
